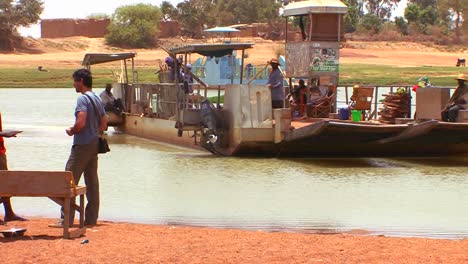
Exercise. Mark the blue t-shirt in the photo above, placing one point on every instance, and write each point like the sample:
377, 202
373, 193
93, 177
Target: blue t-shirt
90, 131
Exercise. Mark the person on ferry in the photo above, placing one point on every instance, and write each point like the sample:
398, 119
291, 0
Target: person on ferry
315, 95
171, 64
188, 77
275, 84
458, 101
110, 103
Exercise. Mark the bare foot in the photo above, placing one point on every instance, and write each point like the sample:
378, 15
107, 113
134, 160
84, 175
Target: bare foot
14, 218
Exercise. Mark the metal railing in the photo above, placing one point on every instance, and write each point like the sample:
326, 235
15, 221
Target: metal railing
163, 98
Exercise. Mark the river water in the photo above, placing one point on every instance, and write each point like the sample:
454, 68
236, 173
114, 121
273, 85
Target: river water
148, 182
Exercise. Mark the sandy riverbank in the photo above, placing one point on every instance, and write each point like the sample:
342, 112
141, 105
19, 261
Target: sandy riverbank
69, 52
137, 243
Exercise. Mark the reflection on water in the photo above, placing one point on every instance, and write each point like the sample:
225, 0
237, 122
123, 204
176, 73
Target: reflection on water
149, 182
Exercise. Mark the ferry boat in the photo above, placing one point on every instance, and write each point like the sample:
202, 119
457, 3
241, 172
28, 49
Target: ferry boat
246, 125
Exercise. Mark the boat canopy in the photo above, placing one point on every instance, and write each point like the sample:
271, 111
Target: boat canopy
315, 7
96, 58
211, 50
222, 30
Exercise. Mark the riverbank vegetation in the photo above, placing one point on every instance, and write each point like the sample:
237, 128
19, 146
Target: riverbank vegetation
349, 74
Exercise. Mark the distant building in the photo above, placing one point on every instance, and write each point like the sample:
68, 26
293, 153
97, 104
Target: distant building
61, 28
168, 29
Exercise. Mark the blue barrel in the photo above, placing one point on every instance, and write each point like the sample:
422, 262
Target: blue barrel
343, 113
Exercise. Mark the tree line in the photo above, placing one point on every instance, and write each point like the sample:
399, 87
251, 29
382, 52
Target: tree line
136, 25
421, 17
193, 15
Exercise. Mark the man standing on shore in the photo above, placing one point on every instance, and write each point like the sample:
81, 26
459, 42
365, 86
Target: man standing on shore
275, 83
9, 213
90, 121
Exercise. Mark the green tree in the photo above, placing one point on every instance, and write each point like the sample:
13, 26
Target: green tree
421, 15
168, 10
381, 8
194, 15
412, 13
402, 25
247, 11
134, 26
371, 23
454, 13
14, 14
354, 15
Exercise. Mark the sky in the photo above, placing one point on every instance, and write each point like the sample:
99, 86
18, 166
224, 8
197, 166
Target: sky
84, 8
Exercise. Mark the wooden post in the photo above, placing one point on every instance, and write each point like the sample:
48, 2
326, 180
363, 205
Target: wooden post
408, 90
231, 60
66, 218
242, 67
310, 27
376, 100
346, 94
219, 96
133, 71
339, 28
81, 211
277, 113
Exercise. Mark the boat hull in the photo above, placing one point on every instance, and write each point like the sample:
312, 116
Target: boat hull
333, 140
162, 130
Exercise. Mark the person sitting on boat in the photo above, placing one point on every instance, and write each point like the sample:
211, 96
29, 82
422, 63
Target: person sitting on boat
316, 95
108, 100
275, 84
458, 101
300, 97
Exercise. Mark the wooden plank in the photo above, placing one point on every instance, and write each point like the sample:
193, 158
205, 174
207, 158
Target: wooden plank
76, 233
308, 131
60, 202
411, 132
81, 210
66, 218
79, 190
36, 183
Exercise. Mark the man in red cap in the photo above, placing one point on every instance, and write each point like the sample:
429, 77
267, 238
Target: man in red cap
9, 213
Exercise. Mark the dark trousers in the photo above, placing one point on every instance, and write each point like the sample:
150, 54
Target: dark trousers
451, 114
84, 160
277, 104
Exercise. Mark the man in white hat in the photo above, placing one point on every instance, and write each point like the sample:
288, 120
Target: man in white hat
458, 101
275, 83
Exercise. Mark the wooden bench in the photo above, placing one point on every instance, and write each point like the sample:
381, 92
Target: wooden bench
59, 186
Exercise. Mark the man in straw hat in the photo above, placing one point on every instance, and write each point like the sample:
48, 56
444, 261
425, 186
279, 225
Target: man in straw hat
458, 101
275, 83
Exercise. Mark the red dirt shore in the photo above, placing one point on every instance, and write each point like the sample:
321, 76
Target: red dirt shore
138, 243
